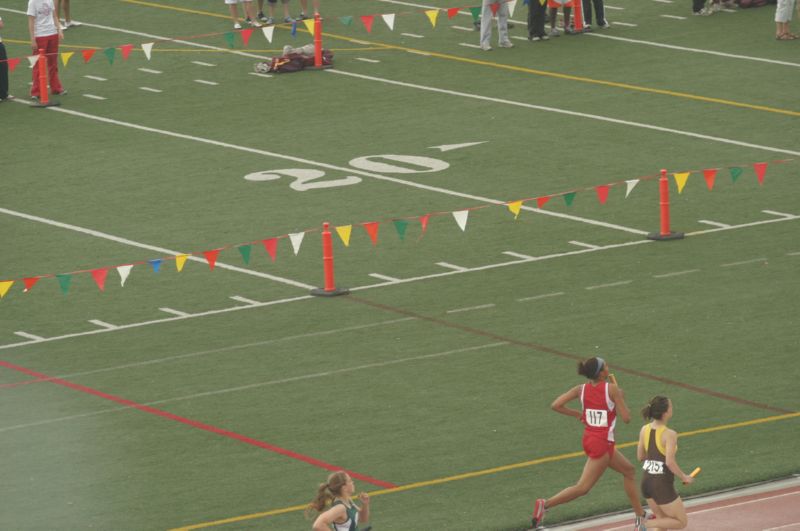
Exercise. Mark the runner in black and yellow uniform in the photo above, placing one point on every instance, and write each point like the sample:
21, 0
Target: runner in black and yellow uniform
334, 502
657, 448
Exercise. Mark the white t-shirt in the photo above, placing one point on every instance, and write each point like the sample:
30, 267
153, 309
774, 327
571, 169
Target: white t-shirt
44, 25
1, 37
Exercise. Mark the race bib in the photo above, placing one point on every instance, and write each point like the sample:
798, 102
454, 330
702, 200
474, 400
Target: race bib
597, 418
653, 467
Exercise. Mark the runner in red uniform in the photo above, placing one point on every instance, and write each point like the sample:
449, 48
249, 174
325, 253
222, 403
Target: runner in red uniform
600, 402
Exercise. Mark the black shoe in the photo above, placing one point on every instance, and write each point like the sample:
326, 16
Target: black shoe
62, 93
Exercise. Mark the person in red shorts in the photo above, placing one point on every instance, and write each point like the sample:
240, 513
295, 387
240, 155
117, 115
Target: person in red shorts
600, 403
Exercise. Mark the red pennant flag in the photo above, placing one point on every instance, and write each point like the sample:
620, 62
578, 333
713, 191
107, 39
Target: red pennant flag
423, 220
761, 169
99, 276
87, 55
246, 35
453, 11
367, 20
372, 229
126, 50
495, 6
541, 201
30, 282
710, 174
211, 257
602, 193
12, 64
271, 245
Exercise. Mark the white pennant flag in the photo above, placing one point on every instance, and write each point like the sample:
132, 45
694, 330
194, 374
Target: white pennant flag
33, 59
268, 31
147, 49
512, 5
124, 271
296, 239
631, 185
389, 19
461, 218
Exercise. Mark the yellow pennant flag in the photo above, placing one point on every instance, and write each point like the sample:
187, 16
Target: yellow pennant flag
5, 285
180, 261
432, 15
344, 233
65, 57
680, 180
309, 22
514, 207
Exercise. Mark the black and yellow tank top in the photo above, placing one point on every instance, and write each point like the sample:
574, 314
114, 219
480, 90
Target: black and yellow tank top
655, 462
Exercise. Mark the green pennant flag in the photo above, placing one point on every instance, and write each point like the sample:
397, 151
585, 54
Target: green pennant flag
230, 37
348, 20
245, 251
64, 281
110, 53
476, 13
569, 198
735, 173
400, 226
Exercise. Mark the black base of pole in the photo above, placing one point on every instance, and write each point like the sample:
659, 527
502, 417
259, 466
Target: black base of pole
664, 237
321, 292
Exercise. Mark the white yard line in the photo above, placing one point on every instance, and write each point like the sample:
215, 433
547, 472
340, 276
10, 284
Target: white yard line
384, 277
543, 296
626, 24
204, 82
471, 308
616, 8
779, 214
245, 300
26, 335
175, 312
675, 17
96, 78
676, 273
462, 28
94, 97
148, 89
519, 255
743, 225
581, 244
102, 324
201, 63
150, 71
744, 262
413, 35
609, 285
452, 266
713, 223
367, 60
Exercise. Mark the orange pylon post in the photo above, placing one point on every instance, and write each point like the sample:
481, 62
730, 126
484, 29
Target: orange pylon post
330, 289
577, 15
664, 233
44, 89
317, 41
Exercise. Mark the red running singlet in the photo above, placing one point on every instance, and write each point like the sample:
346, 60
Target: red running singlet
599, 416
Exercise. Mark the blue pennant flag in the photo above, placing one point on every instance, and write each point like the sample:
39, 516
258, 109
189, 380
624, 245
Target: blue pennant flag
294, 29
156, 264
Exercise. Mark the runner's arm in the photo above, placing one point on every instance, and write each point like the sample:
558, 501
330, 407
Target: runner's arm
324, 521
671, 440
618, 396
559, 404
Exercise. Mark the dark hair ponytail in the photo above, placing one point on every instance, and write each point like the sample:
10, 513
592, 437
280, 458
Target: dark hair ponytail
591, 368
655, 408
326, 492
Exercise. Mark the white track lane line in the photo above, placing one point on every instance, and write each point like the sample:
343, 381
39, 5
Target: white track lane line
102, 324
744, 262
542, 296
676, 273
471, 308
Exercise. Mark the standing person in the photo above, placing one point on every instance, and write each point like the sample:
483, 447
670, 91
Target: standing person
783, 16
336, 507
67, 21
502, 25
657, 448
600, 402
304, 9
599, 11
566, 7
45, 31
271, 8
537, 12
3, 69
247, 7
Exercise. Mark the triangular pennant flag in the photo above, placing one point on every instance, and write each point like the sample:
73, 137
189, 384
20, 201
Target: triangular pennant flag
271, 246
514, 207
344, 233
389, 19
461, 218
710, 174
64, 281
367, 21
540, 201
495, 6
348, 20
453, 11
602, 193
12, 64
180, 261
111, 53
512, 5
268, 31
541, 2
297, 240
433, 14
65, 57
761, 169
400, 225
309, 22
211, 258
476, 13
294, 29
99, 276
33, 59
230, 38
30, 282
126, 50
88, 54
156, 264
5, 285
423, 220
735, 173
630, 185
569, 197
372, 229
246, 34
147, 48
244, 250
124, 271
680, 179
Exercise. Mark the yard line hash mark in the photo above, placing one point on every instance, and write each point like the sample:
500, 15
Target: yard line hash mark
543, 296
175, 312
93, 97
451, 266
204, 82
414, 35
675, 17
581, 244
26, 335
609, 285
150, 71
384, 277
148, 89
519, 255
201, 63
676, 273
96, 78
780, 214
244, 300
471, 308
367, 60
469, 45
102, 324
713, 223
744, 262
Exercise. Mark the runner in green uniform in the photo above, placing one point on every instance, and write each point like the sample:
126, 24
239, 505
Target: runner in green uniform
337, 510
